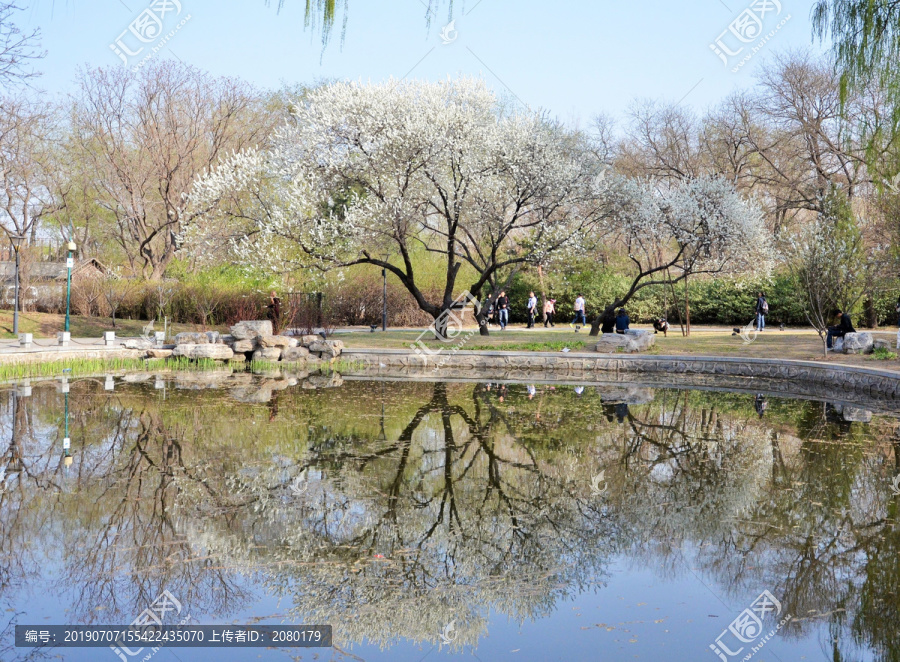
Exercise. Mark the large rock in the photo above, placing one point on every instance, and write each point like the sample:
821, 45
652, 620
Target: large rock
611, 343
294, 354
207, 351
267, 354
159, 353
277, 384
856, 414
881, 343
251, 394
643, 339
327, 349
251, 329
244, 345
306, 341
630, 395
225, 339
858, 343
276, 341
137, 343
212, 337
202, 379
329, 380
238, 358
189, 338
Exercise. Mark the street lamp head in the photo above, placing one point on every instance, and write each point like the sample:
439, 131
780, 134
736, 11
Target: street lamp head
16, 240
71, 247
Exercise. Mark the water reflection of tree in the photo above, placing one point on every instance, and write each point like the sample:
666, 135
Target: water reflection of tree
450, 518
112, 527
464, 503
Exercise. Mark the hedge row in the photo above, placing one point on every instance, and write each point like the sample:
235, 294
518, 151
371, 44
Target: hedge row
721, 301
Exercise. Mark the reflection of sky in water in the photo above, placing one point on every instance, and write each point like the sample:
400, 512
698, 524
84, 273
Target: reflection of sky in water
317, 507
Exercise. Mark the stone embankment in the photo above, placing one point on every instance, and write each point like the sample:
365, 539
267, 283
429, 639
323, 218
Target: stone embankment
856, 386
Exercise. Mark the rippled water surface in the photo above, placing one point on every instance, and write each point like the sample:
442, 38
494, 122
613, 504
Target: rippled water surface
471, 520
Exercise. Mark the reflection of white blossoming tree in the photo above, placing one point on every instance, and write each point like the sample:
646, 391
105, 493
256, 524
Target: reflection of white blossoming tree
452, 518
465, 504
374, 174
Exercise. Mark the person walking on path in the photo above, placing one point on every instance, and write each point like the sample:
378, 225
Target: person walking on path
532, 309
579, 312
549, 312
762, 309
274, 307
503, 310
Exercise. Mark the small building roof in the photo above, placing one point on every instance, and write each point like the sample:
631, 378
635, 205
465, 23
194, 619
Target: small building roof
52, 270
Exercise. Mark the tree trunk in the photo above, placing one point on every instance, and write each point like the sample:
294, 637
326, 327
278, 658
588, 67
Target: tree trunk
675, 304
543, 293
687, 309
482, 319
608, 314
870, 313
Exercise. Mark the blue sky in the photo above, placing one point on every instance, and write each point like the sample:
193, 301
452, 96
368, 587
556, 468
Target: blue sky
591, 57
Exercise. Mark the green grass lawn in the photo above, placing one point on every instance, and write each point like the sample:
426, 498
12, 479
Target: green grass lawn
44, 325
802, 344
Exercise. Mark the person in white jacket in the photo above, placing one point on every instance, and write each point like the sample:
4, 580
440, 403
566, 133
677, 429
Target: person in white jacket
532, 309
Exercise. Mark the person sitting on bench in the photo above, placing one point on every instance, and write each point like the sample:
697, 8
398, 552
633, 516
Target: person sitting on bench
839, 331
622, 321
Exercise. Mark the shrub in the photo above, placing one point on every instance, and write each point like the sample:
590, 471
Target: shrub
883, 354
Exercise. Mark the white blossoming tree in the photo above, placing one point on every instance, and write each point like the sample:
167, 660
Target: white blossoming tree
372, 174
700, 226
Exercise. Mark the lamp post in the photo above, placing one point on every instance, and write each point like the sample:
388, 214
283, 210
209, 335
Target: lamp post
70, 260
384, 300
16, 241
67, 442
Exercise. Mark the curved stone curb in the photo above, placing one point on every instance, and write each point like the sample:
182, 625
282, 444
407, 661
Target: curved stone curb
810, 378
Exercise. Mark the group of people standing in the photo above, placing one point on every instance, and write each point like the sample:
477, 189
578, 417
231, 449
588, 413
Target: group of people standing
500, 312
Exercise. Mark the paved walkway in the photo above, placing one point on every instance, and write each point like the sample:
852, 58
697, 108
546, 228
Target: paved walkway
9, 347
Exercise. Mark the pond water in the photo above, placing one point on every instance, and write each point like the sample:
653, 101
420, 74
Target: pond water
452, 520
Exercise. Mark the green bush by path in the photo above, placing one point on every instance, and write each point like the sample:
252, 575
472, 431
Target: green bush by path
722, 301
